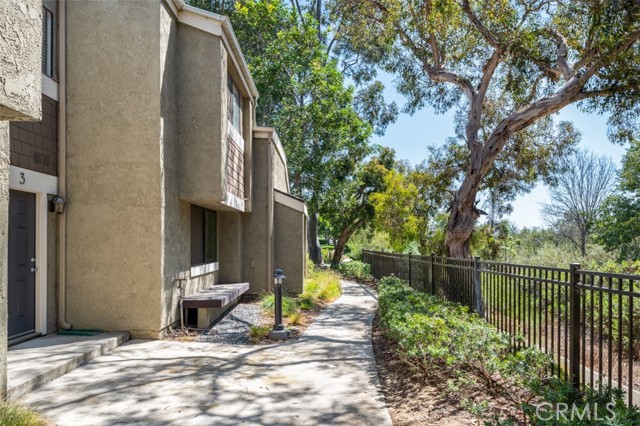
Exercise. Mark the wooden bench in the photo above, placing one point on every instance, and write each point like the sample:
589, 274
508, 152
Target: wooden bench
211, 302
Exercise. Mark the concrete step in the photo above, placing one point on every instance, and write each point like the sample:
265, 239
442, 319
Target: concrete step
32, 364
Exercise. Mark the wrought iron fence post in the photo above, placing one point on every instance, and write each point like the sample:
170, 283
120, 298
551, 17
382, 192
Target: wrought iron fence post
393, 264
574, 326
431, 274
477, 287
409, 269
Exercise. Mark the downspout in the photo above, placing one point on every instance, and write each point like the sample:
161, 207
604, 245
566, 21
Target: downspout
270, 208
62, 164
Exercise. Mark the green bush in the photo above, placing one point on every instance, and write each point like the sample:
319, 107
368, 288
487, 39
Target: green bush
431, 332
258, 333
322, 286
289, 304
356, 270
17, 415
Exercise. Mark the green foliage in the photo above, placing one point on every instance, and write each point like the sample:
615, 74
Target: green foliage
619, 226
258, 333
320, 287
356, 270
432, 333
289, 304
323, 286
506, 67
597, 408
16, 415
407, 208
348, 206
369, 239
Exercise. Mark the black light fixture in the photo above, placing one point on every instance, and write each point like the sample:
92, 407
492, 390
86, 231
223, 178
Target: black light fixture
57, 204
278, 332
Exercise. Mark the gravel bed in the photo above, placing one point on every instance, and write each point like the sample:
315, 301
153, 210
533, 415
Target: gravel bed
234, 327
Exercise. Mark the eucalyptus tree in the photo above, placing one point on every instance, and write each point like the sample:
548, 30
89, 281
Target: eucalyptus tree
508, 66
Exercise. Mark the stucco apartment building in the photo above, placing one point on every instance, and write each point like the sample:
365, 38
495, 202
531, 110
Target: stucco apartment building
145, 179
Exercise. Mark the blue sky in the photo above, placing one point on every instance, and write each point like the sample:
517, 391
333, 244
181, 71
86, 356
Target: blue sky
410, 135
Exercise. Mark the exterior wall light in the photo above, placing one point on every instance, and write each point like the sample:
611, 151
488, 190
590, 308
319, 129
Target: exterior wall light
278, 332
57, 204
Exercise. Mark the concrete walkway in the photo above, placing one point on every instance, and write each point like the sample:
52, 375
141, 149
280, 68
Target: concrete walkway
327, 377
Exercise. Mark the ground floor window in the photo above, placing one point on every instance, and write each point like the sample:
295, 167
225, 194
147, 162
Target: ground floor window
204, 236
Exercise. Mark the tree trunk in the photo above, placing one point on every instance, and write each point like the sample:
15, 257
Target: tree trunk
313, 244
338, 250
345, 235
460, 226
463, 215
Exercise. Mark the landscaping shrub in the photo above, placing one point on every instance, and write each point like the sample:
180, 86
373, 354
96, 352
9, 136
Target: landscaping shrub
321, 286
17, 415
356, 270
434, 333
289, 304
258, 333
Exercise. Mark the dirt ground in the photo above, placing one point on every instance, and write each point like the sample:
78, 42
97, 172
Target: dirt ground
414, 400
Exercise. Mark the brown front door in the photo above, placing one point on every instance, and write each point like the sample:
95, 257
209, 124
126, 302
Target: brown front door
22, 253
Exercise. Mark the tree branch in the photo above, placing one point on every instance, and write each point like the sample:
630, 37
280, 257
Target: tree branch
626, 44
475, 111
466, 7
563, 52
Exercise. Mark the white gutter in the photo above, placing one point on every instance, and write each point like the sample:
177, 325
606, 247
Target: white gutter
62, 165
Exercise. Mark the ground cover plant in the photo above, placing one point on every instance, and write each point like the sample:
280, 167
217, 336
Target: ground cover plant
356, 270
17, 415
433, 335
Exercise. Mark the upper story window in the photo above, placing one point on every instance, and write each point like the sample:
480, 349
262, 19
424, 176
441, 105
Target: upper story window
234, 110
48, 45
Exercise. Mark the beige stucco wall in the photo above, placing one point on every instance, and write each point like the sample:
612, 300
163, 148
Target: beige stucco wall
201, 59
20, 99
280, 181
176, 213
290, 246
20, 66
258, 225
4, 232
230, 254
114, 186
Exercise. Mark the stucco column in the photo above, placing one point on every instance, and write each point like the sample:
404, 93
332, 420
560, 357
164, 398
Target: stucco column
20, 100
4, 230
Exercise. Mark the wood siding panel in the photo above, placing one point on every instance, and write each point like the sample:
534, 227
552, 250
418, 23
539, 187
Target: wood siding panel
235, 169
34, 146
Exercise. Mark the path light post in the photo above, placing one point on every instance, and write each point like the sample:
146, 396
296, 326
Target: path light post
278, 332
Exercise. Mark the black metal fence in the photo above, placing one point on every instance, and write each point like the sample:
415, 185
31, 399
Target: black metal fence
588, 321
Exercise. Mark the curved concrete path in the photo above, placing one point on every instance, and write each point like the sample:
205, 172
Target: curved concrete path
327, 377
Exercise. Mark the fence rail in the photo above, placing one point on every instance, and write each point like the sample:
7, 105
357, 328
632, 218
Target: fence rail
588, 321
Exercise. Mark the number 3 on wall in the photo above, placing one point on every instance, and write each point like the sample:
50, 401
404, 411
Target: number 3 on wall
22, 178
